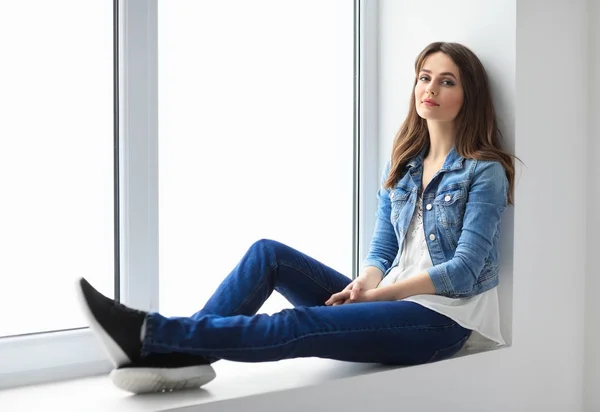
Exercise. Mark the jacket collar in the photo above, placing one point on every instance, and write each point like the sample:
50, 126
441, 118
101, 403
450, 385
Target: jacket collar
453, 160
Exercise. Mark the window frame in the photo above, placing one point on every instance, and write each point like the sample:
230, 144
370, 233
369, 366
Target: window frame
59, 355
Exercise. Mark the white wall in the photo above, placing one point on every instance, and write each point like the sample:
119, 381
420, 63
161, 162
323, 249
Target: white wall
535, 51
592, 285
550, 228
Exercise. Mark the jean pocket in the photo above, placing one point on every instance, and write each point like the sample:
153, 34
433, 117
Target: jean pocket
445, 353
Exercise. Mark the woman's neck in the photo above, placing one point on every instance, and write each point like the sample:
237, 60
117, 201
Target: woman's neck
441, 140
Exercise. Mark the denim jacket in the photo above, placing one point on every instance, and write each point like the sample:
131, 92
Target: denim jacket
462, 210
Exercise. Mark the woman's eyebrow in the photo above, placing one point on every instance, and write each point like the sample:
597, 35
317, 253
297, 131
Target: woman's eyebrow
441, 74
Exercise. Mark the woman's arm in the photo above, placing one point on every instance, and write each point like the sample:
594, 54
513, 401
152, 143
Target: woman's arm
420, 284
372, 276
486, 202
384, 244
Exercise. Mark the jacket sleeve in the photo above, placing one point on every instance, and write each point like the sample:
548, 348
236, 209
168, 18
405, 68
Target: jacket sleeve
384, 244
486, 202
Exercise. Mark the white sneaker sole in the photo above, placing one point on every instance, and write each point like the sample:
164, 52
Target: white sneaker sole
116, 355
150, 380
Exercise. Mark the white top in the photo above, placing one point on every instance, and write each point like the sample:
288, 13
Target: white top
480, 313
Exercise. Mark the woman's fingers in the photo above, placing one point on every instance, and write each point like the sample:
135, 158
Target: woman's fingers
348, 295
332, 299
343, 295
338, 297
355, 290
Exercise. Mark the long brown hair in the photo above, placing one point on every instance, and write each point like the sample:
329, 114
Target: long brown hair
477, 134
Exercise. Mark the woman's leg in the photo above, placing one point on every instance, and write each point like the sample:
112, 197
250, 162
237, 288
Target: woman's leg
270, 265
397, 332
153, 353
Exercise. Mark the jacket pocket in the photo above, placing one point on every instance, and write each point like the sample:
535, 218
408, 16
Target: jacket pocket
450, 206
399, 197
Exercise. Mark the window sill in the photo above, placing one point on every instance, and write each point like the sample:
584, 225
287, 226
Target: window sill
234, 381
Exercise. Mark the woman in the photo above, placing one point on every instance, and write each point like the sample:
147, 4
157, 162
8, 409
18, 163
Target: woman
427, 285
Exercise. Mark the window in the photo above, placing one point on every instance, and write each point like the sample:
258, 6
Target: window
249, 110
255, 138
57, 179
56, 160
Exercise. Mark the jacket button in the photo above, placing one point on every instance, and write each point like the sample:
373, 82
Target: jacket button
432, 236
428, 207
447, 198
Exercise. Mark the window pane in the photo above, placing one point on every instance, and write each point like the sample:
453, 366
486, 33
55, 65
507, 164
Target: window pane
255, 138
56, 159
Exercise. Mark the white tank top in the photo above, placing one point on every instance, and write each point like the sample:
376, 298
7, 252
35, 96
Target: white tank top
480, 313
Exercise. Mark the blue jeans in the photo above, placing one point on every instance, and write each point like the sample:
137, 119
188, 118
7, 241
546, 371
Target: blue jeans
228, 327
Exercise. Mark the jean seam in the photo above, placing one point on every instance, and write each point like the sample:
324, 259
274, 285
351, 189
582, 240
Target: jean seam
252, 295
307, 276
168, 346
437, 351
271, 268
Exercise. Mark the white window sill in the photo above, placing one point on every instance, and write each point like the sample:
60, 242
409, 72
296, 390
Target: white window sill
234, 381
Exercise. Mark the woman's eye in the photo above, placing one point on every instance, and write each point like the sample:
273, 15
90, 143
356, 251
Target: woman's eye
444, 82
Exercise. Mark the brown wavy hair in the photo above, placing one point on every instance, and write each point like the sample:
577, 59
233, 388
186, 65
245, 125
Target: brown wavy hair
477, 134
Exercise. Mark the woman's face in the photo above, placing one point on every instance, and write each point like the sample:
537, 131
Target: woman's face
439, 92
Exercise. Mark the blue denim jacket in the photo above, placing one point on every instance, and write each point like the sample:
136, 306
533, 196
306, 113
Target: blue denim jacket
462, 210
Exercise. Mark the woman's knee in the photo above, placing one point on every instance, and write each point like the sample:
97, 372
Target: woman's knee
268, 245
267, 248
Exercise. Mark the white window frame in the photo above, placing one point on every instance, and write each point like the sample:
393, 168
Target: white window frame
366, 130
60, 355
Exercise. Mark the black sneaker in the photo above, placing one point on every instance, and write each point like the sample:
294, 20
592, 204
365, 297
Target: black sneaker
116, 326
119, 328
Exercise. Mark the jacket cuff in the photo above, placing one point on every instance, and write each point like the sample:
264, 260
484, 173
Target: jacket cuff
440, 280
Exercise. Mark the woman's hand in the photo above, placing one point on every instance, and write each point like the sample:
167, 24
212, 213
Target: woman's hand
352, 296
361, 289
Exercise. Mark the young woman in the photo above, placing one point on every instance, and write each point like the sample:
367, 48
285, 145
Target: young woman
427, 285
